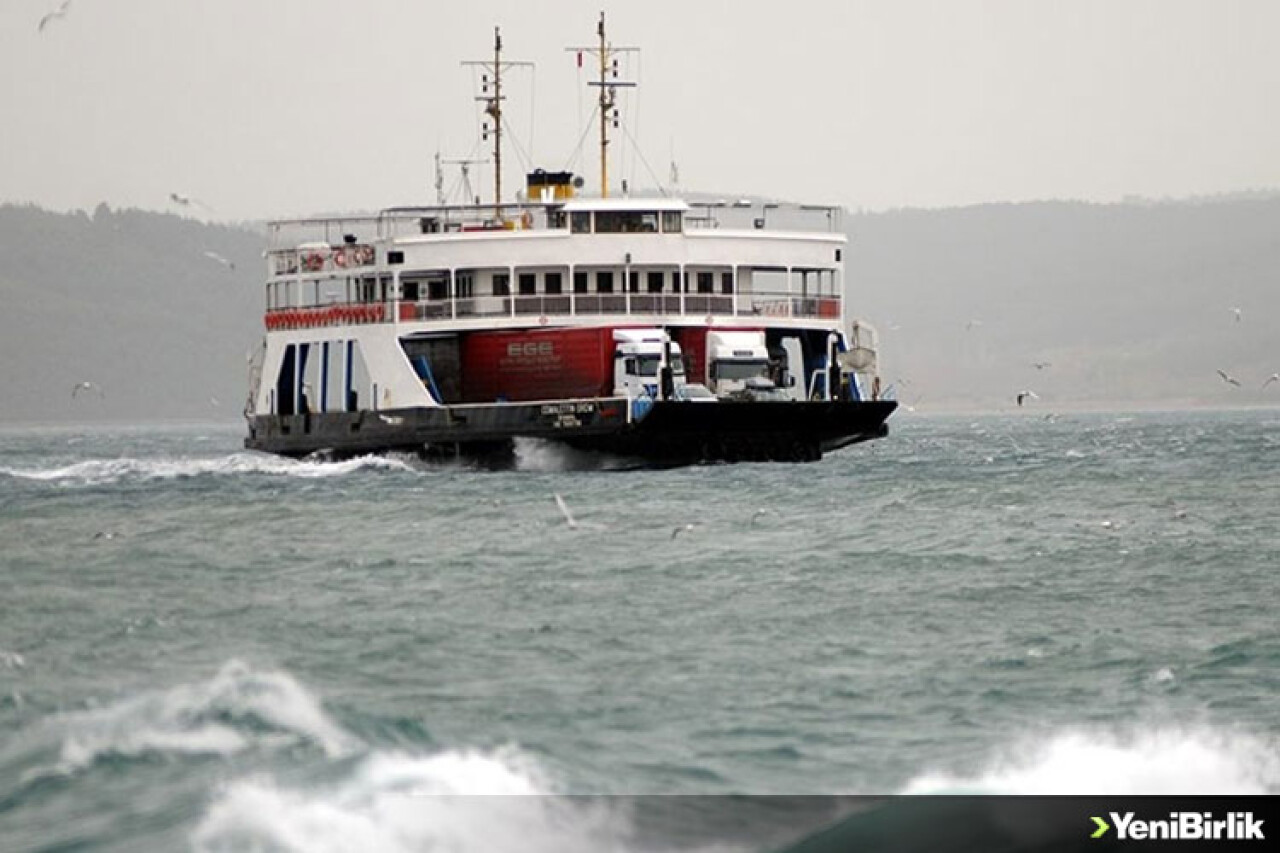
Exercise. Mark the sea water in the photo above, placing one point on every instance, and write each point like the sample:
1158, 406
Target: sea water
202, 647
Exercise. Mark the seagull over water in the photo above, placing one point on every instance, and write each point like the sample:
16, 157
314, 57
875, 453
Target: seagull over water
214, 256
1228, 378
564, 510
1023, 395
86, 386
60, 12
1275, 377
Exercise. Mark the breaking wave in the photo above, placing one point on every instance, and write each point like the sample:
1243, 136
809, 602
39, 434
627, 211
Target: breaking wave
457, 801
239, 709
1162, 761
95, 472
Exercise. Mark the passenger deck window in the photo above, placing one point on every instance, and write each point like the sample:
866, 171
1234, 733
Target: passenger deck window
580, 222
671, 223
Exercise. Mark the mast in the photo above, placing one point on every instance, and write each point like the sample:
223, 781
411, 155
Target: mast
607, 54
493, 109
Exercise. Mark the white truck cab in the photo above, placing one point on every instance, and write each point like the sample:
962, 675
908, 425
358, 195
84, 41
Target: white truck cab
737, 362
639, 357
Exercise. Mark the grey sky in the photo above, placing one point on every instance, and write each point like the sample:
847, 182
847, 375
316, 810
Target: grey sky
276, 107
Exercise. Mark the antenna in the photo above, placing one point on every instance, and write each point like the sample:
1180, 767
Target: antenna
464, 166
493, 108
609, 85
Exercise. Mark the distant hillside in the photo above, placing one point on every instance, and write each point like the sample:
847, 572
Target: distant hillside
1129, 303
127, 300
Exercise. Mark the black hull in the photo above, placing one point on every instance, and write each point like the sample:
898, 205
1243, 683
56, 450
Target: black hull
671, 433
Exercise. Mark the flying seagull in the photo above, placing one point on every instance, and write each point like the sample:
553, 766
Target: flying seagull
1275, 377
60, 12
972, 324
214, 256
684, 528
1229, 379
187, 201
86, 386
1236, 311
1041, 365
1023, 395
564, 510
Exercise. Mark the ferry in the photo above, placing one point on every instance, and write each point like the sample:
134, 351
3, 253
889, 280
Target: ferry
667, 330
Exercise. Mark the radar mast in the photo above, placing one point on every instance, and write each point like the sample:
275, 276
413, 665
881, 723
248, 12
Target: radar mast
492, 101
608, 84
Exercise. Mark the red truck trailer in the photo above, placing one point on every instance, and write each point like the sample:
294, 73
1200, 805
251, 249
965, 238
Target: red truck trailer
537, 364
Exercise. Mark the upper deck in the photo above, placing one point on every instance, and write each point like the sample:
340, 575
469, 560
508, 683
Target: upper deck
650, 257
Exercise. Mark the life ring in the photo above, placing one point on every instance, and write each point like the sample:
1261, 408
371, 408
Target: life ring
313, 262
526, 220
339, 257
542, 321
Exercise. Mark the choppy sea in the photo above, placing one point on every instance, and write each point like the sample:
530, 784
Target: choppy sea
205, 648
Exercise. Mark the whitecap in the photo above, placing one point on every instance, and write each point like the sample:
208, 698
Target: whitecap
239, 709
396, 802
93, 472
1158, 762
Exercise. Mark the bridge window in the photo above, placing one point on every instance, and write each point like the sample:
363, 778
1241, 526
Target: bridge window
671, 222
580, 222
626, 222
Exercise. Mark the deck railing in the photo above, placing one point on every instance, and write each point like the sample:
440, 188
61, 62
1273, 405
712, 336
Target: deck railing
544, 308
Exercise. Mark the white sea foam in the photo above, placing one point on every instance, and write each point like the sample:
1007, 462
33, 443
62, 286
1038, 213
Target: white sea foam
397, 802
535, 454
240, 708
106, 471
1159, 761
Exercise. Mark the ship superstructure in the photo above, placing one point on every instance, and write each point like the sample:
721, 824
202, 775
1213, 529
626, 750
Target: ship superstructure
670, 330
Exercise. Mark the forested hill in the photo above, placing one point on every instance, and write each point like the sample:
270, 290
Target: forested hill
1129, 304
130, 301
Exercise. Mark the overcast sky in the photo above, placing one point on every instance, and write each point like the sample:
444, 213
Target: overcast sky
264, 108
